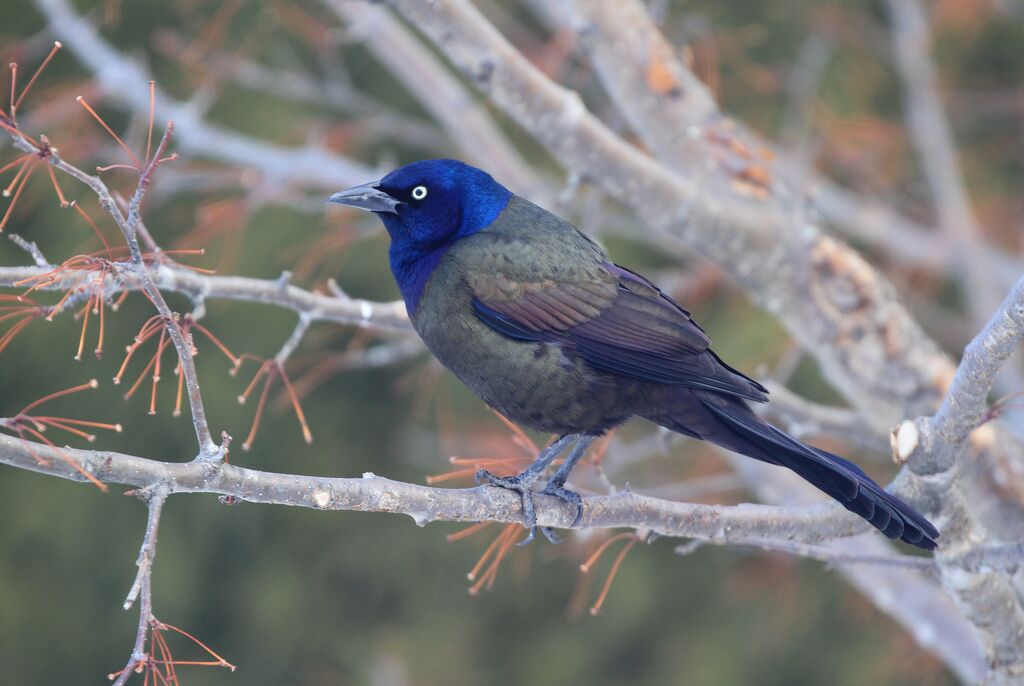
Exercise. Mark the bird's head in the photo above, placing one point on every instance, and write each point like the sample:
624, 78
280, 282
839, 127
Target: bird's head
426, 207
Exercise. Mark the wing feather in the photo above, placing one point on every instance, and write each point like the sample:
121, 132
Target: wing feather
615, 319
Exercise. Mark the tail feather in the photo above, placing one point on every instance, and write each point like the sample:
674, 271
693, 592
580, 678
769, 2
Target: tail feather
839, 478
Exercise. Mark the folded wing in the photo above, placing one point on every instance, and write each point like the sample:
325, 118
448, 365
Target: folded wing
615, 319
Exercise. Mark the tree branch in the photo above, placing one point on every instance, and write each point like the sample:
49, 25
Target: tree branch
425, 504
318, 307
465, 119
935, 450
124, 80
933, 138
142, 587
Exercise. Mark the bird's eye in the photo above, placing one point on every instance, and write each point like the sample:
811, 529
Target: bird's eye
419, 192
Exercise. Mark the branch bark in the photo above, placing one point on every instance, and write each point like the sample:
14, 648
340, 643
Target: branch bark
425, 504
318, 307
935, 449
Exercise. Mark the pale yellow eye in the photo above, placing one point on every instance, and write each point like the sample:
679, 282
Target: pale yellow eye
419, 192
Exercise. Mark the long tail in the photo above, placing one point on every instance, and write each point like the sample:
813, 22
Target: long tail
730, 423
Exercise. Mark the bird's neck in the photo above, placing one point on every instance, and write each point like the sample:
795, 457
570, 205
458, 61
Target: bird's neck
412, 270
412, 262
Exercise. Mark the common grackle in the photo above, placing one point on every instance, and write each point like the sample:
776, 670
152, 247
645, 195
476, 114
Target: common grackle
533, 316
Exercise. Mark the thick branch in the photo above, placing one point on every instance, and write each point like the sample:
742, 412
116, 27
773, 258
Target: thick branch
461, 112
966, 405
935, 448
933, 138
425, 504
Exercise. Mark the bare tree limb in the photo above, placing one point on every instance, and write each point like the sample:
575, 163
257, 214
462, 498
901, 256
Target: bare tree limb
202, 287
611, 29
893, 235
461, 113
834, 557
803, 418
425, 504
296, 86
933, 138
124, 80
918, 603
935, 450
965, 406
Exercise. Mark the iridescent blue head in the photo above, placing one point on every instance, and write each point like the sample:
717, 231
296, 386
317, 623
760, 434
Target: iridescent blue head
426, 207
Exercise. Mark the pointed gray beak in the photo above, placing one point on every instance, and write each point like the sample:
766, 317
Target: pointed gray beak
366, 197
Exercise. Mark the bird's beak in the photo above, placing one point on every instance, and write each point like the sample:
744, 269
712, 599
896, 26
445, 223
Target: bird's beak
366, 197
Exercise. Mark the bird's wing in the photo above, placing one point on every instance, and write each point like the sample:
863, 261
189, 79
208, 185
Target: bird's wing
615, 319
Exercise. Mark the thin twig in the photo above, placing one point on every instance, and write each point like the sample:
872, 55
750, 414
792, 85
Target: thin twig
142, 587
388, 316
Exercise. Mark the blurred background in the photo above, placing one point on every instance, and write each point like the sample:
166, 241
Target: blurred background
302, 597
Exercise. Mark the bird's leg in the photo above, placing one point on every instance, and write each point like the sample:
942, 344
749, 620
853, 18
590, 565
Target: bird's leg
523, 483
556, 483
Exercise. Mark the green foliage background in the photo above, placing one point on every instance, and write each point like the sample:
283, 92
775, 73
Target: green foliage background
301, 597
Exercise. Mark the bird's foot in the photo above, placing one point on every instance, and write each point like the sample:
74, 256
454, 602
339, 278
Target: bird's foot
565, 495
523, 485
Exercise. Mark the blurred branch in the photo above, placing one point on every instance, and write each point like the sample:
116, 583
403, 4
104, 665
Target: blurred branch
846, 292
895, 236
858, 216
803, 418
832, 556
296, 86
123, 79
802, 87
933, 138
459, 111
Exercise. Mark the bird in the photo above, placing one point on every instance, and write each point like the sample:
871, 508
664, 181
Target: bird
533, 316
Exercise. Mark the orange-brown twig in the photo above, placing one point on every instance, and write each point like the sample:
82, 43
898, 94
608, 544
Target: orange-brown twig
16, 101
27, 425
631, 538
124, 146
22, 311
267, 372
159, 325
159, 666
496, 553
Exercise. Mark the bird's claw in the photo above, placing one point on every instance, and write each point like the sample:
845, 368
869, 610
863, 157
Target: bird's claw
571, 497
522, 486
